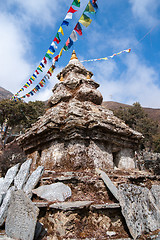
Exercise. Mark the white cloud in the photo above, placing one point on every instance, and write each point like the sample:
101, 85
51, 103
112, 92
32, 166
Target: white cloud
13, 48
146, 11
137, 82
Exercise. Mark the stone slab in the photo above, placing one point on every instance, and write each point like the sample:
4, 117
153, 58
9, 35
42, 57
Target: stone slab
23, 174
41, 204
67, 206
9, 177
53, 192
22, 217
139, 209
5, 205
108, 183
105, 206
33, 181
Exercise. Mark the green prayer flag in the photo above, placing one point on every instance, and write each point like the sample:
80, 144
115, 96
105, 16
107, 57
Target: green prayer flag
65, 47
39, 69
49, 57
76, 3
57, 36
89, 8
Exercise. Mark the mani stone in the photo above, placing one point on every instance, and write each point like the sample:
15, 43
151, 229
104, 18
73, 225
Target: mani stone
54, 192
33, 180
23, 174
5, 205
139, 209
22, 217
77, 131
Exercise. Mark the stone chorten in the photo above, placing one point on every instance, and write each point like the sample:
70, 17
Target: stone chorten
77, 131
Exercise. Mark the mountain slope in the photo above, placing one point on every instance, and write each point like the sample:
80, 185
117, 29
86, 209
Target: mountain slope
4, 94
153, 113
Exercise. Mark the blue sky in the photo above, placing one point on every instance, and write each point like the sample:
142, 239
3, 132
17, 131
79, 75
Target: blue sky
27, 29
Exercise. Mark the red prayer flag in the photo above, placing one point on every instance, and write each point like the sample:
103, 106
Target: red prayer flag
45, 61
30, 81
56, 40
78, 29
56, 57
49, 73
71, 10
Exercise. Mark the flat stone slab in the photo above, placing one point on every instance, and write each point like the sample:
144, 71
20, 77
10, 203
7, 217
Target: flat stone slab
33, 181
5, 205
66, 206
9, 177
108, 183
22, 217
41, 204
139, 209
105, 206
23, 174
53, 192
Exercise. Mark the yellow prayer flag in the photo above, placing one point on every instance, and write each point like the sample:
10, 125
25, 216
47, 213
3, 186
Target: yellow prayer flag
49, 52
40, 66
61, 30
85, 20
33, 77
60, 54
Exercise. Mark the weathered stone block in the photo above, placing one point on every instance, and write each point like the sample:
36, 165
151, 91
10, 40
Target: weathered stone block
22, 217
139, 209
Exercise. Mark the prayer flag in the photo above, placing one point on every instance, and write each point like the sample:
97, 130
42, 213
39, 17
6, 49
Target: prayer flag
70, 43
56, 58
42, 65
30, 81
61, 30
76, 3
89, 8
60, 54
45, 60
68, 16
49, 52
47, 56
71, 10
73, 36
85, 20
34, 76
57, 36
94, 4
67, 42
56, 40
65, 23
37, 72
39, 69
65, 48
78, 29
54, 45
49, 73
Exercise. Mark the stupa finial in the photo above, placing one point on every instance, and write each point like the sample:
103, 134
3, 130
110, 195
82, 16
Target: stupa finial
74, 56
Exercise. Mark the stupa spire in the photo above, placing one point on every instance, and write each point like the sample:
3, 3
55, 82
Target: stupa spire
74, 56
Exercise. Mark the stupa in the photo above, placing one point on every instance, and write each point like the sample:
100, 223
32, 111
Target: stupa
76, 131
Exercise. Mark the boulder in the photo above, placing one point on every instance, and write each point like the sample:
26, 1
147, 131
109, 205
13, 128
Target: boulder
23, 174
33, 180
22, 217
139, 209
54, 192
